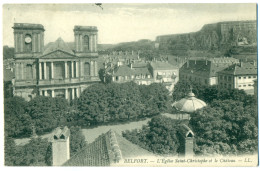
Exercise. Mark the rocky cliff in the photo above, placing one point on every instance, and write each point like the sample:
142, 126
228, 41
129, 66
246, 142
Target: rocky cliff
215, 36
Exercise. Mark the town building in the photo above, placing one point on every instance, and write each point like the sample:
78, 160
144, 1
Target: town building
55, 70
204, 71
238, 76
137, 72
165, 73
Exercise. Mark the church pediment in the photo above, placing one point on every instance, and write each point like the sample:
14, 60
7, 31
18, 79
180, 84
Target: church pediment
58, 54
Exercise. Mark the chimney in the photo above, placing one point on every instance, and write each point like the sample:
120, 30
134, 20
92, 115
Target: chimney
206, 62
187, 139
131, 66
60, 146
241, 64
188, 63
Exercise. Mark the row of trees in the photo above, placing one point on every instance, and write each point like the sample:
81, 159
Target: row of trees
98, 104
106, 103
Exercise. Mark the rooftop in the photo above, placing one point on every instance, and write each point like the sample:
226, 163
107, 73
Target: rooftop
243, 68
28, 26
162, 65
189, 104
59, 44
107, 149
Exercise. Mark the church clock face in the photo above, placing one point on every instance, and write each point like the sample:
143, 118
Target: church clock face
28, 39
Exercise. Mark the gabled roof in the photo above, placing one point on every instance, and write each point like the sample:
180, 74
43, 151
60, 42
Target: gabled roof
202, 67
162, 65
123, 71
58, 54
107, 149
59, 44
244, 68
141, 71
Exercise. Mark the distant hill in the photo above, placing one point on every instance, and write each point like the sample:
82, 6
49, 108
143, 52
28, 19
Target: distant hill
218, 36
143, 44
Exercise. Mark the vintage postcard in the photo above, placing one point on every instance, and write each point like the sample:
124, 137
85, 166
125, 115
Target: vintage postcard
130, 84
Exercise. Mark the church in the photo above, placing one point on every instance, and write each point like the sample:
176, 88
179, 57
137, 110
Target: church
54, 70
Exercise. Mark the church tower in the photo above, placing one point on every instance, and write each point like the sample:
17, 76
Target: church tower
86, 41
60, 146
28, 44
86, 38
28, 40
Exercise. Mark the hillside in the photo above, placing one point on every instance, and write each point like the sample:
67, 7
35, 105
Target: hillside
217, 36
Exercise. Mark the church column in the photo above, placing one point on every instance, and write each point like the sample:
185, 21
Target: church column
33, 42
72, 93
91, 42
96, 69
40, 70
91, 68
39, 42
66, 69
44, 70
45, 92
95, 42
81, 42
52, 93
15, 42
76, 41
77, 68
52, 74
66, 93
21, 43
72, 69
22, 71
77, 92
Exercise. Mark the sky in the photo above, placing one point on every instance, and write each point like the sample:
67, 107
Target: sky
120, 22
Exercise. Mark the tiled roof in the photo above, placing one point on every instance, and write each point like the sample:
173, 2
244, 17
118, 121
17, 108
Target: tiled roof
8, 75
59, 44
244, 68
107, 149
162, 65
139, 65
123, 71
202, 68
141, 71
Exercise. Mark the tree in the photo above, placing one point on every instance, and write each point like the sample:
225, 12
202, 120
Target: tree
225, 127
77, 140
47, 113
160, 136
10, 151
17, 122
33, 153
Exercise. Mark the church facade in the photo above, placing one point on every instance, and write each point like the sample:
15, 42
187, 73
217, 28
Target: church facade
54, 70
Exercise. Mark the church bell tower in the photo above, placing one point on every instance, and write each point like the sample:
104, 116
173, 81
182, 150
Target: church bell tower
86, 41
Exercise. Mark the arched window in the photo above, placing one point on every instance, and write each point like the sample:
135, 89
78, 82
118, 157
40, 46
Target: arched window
85, 43
86, 69
28, 43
